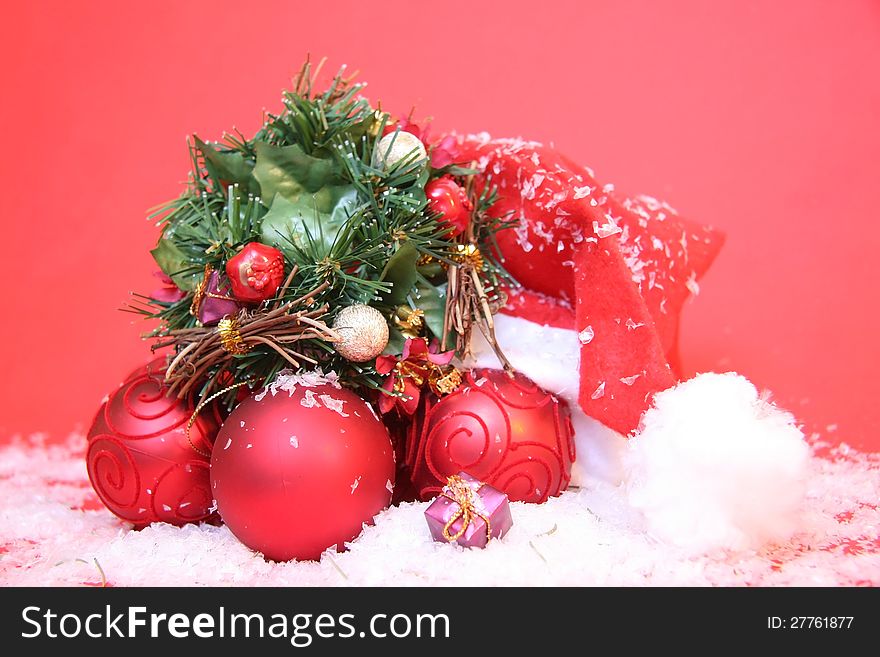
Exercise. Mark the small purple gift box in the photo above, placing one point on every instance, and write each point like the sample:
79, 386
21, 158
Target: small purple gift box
468, 512
216, 301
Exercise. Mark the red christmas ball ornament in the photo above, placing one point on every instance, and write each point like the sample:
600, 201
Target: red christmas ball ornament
504, 430
446, 197
301, 469
256, 272
139, 460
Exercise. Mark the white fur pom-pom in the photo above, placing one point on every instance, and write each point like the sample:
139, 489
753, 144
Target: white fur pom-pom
716, 466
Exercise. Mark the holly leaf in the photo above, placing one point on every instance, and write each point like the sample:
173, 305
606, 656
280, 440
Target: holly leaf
401, 272
289, 172
320, 216
176, 265
228, 167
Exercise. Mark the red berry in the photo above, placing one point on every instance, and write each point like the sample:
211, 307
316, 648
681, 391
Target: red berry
446, 197
256, 272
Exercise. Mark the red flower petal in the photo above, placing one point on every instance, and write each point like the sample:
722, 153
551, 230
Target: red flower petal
445, 152
167, 294
385, 364
412, 391
415, 349
386, 403
443, 358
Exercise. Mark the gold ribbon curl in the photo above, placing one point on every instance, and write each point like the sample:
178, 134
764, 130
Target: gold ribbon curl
458, 491
441, 379
199, 292
230, 336
198, 409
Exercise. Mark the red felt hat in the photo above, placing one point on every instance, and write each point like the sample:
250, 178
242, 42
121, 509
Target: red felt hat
616, 270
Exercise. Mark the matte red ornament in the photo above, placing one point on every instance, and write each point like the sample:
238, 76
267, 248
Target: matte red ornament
139, 460
446, 197
503, 430
256, 272
301, 470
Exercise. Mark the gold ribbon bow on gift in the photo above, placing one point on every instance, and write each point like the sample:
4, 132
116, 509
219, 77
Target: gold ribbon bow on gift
459, 491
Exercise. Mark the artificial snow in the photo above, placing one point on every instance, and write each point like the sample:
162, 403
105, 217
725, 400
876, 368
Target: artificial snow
54, 532
586, 336
607, 229
309, 400
287, 381
718, 487
333, 404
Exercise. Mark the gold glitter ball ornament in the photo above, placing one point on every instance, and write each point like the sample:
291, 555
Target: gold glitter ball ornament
397, 146
364, 333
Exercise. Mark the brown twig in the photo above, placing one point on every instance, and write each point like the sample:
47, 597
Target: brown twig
212, 349
467, 304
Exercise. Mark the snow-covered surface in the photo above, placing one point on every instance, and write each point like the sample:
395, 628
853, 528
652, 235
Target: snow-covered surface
718, 487
54, 532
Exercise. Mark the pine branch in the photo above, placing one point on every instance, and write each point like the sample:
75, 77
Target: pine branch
335, 255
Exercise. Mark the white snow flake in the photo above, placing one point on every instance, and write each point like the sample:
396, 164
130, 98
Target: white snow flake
333, 404
586, 336
581, 192
309, 400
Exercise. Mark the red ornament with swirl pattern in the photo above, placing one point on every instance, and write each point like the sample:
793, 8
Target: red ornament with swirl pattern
139, 460
503, 430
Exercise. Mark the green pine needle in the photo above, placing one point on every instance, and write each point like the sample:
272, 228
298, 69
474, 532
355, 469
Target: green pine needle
223, 208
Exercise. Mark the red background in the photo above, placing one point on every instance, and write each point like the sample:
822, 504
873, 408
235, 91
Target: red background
758, 117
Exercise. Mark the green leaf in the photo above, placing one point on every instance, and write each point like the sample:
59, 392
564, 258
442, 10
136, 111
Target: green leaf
228, 167
401, 273
321, 215
176, 265
396, 341
417, 191
431, 270
431, 299
456, 170
289, 172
